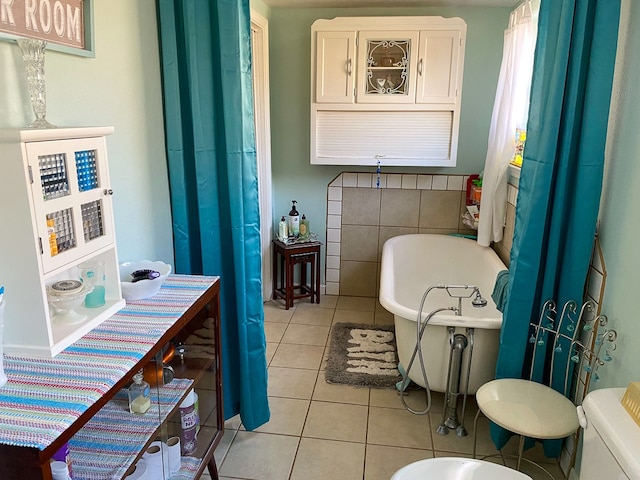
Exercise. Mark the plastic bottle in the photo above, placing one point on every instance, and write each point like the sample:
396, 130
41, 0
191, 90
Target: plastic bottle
294, 221
139, 394
304, 227
283, 231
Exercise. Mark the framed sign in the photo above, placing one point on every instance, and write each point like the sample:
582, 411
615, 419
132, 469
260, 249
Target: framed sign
66, 25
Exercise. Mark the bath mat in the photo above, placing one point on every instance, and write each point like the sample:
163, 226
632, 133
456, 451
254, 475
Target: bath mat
363, 355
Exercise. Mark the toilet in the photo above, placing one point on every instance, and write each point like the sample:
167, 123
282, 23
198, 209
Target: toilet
611, 443
611, 440
454, 468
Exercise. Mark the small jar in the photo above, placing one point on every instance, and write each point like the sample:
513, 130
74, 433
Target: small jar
139, 394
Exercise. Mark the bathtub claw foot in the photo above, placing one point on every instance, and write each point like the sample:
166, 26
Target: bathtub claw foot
442, 429
461, 431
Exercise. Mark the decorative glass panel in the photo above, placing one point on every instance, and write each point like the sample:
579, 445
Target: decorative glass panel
62, 236
53, 175
87, 170
92, 220
387, 67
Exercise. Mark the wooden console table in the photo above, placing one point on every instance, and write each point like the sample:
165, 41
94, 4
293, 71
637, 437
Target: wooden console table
289, 255
78, 397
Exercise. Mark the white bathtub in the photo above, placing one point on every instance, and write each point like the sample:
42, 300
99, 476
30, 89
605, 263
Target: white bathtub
413, 263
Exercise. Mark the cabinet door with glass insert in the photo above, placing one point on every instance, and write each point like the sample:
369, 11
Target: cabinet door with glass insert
71, 198
387, 66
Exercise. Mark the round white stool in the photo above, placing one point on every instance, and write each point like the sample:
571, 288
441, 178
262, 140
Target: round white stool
453, 468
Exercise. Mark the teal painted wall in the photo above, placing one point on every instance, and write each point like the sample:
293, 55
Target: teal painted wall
620, 221
261, 8
290, 72
119, 87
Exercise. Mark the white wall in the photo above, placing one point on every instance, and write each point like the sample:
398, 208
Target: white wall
119, 87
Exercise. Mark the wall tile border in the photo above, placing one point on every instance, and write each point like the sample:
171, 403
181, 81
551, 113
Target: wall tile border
405, 181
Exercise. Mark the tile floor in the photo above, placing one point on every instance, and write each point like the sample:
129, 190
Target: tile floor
323, 431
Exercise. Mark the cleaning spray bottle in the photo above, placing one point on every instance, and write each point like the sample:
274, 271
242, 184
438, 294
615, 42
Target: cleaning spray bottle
294, 221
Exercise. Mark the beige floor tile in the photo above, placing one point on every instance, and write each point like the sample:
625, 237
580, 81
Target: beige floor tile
260, 456
382, 462
398, 428
274, 311
287, 416
271, 350
336, 421
534, 471
223, 447
291, 382
274, 331
353, 316
326, 301
327, 459
453, 444
306, 315
306, 335
390, 398
339, 393
233, 423
298, 356
362, 304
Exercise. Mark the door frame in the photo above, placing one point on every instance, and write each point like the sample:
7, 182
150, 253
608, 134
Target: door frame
260, 71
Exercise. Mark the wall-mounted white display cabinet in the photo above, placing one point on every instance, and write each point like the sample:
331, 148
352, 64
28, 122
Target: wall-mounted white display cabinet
386, 89
56, 211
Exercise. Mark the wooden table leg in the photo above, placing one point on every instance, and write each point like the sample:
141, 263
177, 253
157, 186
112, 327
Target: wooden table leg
317, 288
289, 282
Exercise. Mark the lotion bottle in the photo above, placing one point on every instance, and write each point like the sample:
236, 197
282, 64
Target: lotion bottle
283, 231
294, 221
304, 227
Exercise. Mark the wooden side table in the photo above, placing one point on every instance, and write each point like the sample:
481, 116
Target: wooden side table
289, 255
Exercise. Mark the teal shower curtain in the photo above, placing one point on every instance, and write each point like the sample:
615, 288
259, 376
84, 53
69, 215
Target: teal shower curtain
208, 106
561, 177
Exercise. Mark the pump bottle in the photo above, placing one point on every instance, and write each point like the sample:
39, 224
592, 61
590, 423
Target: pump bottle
294, 221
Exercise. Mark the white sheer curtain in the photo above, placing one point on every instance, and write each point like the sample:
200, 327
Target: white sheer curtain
510, 111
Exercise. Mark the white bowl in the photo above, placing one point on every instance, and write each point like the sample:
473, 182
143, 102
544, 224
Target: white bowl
142, 288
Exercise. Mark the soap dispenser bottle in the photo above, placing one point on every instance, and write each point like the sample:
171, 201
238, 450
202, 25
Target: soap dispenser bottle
294, 220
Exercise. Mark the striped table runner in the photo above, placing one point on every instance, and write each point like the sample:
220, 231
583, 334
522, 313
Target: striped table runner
44, 397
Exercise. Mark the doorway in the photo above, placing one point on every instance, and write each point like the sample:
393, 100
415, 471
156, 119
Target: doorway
260, 70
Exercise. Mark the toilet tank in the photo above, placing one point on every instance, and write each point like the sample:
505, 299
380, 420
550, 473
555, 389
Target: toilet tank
611, 440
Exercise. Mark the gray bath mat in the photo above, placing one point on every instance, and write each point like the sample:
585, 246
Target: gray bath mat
363, 355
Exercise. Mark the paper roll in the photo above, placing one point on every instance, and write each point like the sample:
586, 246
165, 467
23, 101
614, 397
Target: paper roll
157, 459
173, 446
138, 471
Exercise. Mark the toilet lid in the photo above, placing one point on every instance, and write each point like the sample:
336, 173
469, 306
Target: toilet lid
450, 468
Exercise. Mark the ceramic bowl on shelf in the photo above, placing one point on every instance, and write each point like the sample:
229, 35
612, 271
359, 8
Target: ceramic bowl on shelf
143, 279
66, 296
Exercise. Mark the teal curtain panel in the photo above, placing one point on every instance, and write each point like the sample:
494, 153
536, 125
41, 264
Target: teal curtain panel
561, 177
210, 140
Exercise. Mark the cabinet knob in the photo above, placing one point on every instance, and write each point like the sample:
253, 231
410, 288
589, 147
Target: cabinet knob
108, 191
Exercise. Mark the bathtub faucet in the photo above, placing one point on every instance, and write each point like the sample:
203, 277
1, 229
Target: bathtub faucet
461, 292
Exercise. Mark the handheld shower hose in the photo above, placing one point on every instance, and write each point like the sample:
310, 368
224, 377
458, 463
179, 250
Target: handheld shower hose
421, 325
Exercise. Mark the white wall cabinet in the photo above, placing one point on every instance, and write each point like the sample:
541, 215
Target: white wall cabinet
393, 97
56, 205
